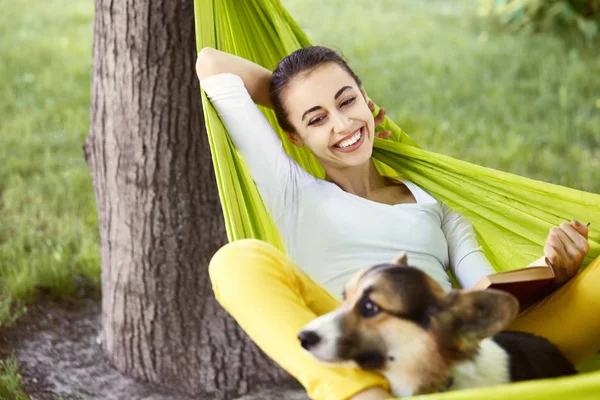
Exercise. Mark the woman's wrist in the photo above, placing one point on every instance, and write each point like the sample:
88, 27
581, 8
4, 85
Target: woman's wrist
259, 88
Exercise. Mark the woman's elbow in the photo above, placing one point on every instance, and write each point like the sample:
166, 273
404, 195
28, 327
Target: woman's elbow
206, 63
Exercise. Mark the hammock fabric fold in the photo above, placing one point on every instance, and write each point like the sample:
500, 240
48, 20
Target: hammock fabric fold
511, 214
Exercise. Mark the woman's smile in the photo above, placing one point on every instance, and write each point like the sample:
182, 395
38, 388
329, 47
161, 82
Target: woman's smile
351, 142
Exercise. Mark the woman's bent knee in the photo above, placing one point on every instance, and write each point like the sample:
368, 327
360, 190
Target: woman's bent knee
239, 265
233, 258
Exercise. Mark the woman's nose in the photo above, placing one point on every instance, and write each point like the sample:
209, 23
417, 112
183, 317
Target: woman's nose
341, 122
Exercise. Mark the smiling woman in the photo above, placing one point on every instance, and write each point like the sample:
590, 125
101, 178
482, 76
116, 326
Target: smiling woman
332, 227
330, 116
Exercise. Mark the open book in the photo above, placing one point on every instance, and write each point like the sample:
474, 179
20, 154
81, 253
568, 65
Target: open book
528, 285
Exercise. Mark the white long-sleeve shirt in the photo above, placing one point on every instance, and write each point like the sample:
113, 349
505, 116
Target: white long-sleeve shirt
332, 234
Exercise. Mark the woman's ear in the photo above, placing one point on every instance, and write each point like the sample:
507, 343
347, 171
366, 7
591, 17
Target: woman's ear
295, 138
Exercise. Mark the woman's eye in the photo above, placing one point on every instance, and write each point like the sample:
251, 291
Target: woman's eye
368, 309
315, 120
347, 102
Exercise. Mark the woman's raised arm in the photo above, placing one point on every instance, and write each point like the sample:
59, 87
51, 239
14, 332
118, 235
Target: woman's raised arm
255, 77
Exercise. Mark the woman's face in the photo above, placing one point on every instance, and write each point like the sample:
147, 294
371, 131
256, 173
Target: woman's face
331, 117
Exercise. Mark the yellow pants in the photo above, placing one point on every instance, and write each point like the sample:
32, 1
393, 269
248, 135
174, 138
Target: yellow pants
272, 299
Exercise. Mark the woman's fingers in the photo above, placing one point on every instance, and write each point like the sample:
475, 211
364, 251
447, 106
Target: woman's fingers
581, 228
566, 248
577, 244
566, 235
380, 117
554, 250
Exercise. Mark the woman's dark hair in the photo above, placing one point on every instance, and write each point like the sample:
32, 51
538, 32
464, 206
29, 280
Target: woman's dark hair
303, 60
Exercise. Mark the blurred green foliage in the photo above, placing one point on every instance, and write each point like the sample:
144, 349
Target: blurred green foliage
582, 16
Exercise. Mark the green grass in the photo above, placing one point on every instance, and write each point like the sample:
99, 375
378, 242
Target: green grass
48, 223
528, 105
524, 104
10, 381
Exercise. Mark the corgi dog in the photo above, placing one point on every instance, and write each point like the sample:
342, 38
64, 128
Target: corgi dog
398, 321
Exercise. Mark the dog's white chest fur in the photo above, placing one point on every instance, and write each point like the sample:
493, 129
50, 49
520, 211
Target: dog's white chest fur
490, 367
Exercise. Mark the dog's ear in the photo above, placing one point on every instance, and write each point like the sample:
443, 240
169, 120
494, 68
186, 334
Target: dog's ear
400, 259
467, 317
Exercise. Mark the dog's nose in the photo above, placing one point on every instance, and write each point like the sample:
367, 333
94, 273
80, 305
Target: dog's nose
308, 339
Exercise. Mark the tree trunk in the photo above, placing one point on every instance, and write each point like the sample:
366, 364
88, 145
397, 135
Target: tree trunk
159, 213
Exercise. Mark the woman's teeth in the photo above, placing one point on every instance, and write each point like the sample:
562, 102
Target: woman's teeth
351, 141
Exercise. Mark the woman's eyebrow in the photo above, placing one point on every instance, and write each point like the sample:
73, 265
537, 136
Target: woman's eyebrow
315, 108
339, 92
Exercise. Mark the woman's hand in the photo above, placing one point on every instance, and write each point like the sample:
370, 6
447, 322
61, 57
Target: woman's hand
379, 118
565, 249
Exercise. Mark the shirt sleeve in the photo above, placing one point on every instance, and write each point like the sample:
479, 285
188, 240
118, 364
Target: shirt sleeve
468, 263
275, 173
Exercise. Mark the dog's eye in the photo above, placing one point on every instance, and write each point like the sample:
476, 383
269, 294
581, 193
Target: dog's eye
368, 309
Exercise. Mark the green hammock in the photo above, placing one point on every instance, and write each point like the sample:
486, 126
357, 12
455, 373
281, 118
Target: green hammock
511, 214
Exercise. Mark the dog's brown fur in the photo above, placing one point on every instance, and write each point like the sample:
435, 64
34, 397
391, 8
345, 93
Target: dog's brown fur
397, 320
455, 322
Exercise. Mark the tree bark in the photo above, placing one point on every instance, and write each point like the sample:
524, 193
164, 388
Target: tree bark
159, 214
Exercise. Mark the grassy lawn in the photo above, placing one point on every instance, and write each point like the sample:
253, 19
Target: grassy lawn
528, 105
48, 223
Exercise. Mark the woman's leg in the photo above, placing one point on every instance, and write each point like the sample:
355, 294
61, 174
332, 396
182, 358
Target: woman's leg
272, 299
569, 317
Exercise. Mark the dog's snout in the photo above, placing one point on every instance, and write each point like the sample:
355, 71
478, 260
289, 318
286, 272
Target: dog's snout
308, 339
